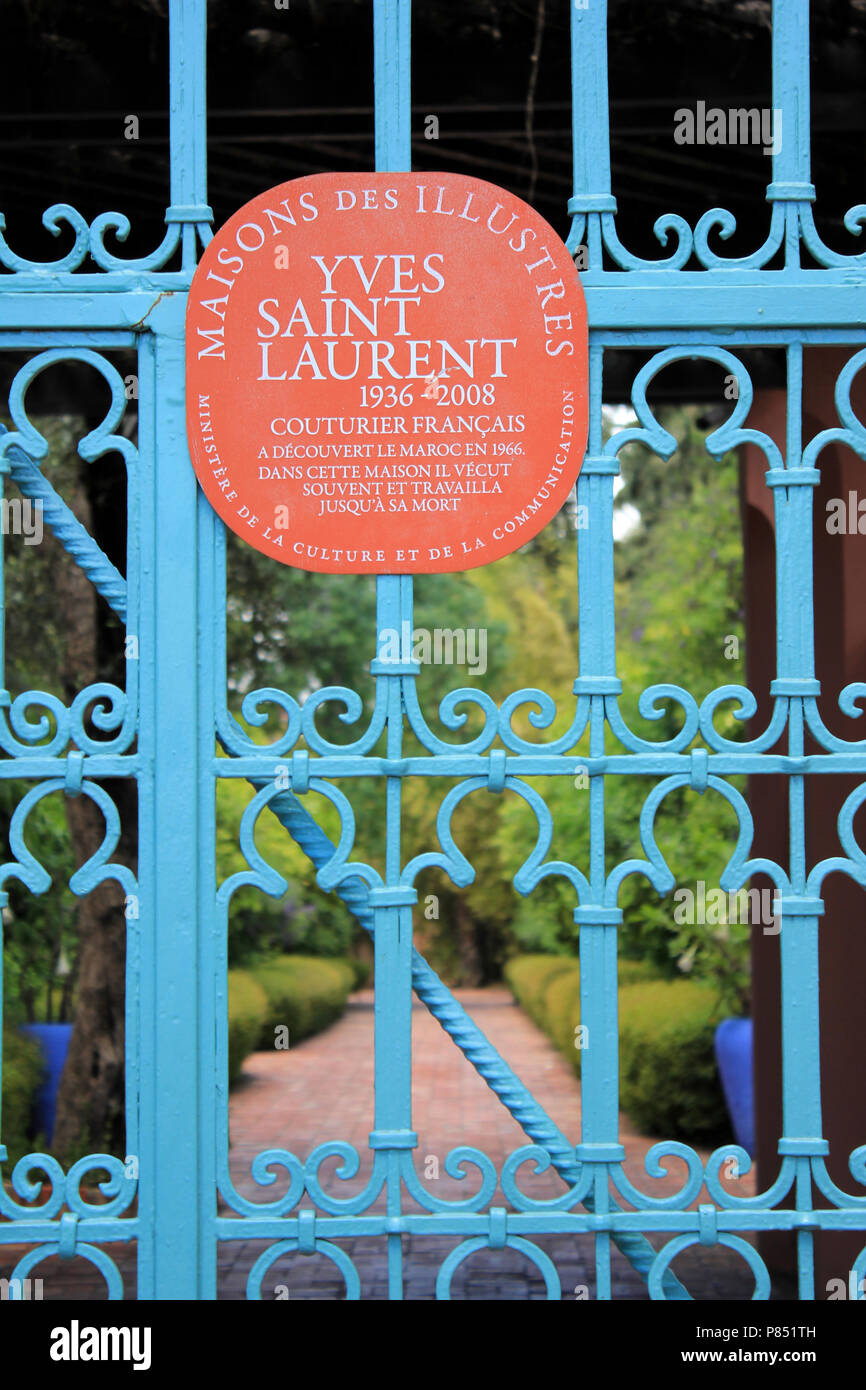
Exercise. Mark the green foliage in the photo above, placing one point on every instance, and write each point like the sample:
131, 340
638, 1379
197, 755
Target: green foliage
37, 927
540, 922
23, 1072
669, 1082
717, 951
248, 1006
295, 630
302, 993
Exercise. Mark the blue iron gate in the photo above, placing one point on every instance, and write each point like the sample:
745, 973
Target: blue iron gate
161, 731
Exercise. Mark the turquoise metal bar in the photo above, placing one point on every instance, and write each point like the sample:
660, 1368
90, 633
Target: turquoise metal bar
212, 992
791, 176
590, 129
392, 21
626, 303
176, 1171
532, 1223
791, 94
393, 924
187, 102
169, 841
187, 124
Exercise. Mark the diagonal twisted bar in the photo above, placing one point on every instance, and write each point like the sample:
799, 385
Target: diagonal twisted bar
75, 538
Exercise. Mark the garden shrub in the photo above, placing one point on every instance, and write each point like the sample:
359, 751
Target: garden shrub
248, 1006
346, 968
303, 993
528, 978
669, 1082
561, 1012
23, 1072
633, 972
548, 988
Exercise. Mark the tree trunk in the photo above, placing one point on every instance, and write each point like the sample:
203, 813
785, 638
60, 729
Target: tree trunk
90, 1109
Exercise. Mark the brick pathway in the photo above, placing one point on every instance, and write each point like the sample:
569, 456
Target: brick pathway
322, 1090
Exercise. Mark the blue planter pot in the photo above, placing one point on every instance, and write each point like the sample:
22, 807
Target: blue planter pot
53, 1038
734, 1047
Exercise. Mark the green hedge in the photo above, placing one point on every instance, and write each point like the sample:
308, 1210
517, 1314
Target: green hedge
304, 993
23, 1071
248, 1005
548, 988
561, 1013
529, 976
669, 1082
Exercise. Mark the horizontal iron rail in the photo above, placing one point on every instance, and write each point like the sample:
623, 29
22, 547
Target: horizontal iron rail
554, 765
650, 300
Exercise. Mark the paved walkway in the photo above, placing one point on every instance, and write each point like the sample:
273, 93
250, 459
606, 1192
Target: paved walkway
323, 1090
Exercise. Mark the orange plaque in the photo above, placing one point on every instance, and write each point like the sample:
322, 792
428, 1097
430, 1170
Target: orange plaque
386, 373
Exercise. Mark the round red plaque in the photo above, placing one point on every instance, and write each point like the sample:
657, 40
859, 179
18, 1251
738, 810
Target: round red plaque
386, 373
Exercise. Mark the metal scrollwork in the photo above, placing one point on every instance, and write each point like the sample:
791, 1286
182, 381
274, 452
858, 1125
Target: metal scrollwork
89, 241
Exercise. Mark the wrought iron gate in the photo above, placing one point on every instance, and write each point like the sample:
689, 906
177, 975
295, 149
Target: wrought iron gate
161, 731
